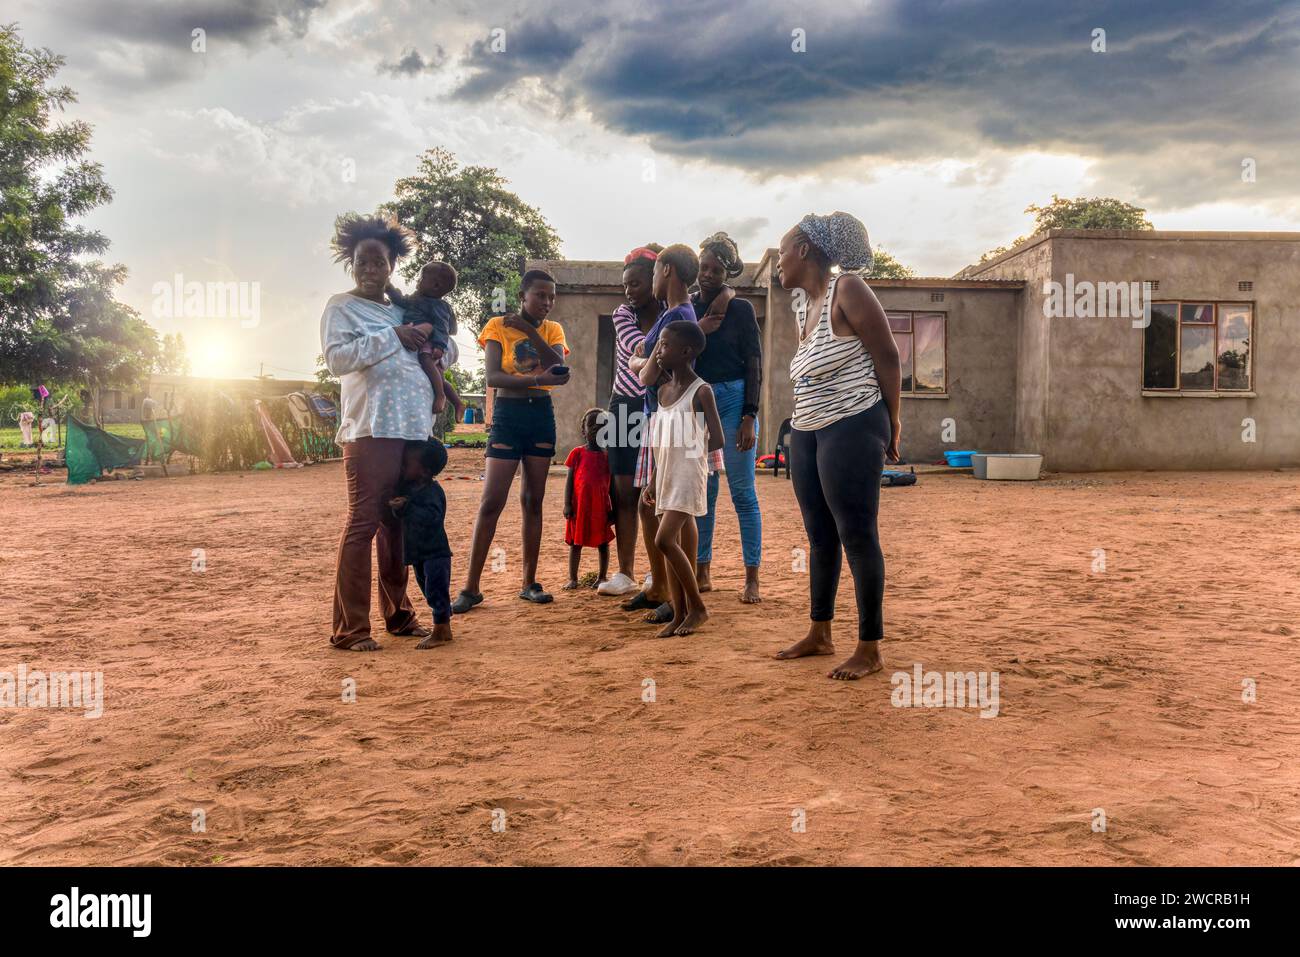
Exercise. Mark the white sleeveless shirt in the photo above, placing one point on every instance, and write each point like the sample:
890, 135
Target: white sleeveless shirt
680, 440
834, 376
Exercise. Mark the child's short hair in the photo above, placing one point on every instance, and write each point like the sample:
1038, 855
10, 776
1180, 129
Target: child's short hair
535, 275
683, 260
445, 269
594, 410
432, 453
688, 333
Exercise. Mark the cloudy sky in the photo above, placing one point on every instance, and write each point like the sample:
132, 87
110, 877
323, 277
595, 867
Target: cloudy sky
935, 121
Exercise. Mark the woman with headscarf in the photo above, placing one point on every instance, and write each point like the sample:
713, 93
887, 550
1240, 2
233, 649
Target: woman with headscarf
847, 379
732, 364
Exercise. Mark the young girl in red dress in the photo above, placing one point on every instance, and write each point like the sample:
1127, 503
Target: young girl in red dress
588, 508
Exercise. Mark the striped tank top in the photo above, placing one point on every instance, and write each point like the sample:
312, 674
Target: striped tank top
833, 376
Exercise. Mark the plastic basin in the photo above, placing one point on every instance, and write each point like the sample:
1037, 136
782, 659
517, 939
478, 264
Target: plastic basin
1007, 466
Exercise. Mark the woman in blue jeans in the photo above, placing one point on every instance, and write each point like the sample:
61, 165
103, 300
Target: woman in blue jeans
732, 363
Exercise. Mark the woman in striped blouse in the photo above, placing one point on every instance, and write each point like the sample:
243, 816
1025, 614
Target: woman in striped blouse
847, 379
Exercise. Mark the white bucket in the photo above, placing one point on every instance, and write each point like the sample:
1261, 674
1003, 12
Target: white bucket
1007, 466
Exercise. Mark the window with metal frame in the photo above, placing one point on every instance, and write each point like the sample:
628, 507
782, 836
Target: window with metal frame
1194, 346
922, 339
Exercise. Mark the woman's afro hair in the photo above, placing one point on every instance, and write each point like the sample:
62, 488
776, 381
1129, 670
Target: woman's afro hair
352, 229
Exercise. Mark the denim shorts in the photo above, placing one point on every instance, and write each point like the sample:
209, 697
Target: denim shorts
520, 424
625, 442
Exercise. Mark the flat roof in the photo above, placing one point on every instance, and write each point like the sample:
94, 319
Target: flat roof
1141, 235
596, 276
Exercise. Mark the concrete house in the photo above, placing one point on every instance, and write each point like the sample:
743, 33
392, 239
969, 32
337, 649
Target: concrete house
1055, 347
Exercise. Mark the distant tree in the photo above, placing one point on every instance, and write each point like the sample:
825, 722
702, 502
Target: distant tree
466, 381
174, 359
885, 266
1099, 212
326, 382
59, 321
466, 216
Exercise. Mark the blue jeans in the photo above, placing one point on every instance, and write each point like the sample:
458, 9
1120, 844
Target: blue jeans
740, 480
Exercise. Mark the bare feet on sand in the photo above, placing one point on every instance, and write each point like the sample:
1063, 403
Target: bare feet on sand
816, 642
703, 580
865, 660
368, 644
669, 629
750, 595
440, 636
692, 621
571, 584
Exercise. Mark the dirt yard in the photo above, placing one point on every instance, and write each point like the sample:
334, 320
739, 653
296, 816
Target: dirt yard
1120, 689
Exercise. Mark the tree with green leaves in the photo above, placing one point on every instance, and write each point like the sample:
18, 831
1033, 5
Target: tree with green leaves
885, 266
59, 321
174, 358
1098, 212
468, 217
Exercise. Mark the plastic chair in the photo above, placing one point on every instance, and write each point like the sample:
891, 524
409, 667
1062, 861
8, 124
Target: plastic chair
782, 452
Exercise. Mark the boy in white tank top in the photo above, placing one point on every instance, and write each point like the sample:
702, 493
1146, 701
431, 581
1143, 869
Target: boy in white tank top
686, 429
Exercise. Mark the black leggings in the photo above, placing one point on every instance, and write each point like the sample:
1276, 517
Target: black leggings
836, 473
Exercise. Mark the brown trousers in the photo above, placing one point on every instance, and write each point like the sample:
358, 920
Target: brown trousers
373, 467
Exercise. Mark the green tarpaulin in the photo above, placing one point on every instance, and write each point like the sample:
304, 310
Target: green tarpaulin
90, 451
163, 436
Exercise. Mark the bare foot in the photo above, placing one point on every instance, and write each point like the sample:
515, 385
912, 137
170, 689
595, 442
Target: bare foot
368, 644
816, 642
692, 621
750, 595
702, 577
598, 582
864, 661
440, 636
670, 629
571, 584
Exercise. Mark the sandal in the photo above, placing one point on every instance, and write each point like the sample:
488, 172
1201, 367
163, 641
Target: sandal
661, 615
638, 601
465, 601
535, 593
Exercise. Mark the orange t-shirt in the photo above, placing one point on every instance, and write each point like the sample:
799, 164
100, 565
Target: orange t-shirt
518, 357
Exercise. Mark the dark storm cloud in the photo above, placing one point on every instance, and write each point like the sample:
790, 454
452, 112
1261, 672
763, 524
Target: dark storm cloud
169, 22
1183, 87
412, 63
536, 48
134, 45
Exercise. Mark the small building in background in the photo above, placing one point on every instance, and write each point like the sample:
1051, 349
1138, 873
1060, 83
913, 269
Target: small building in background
168, 391
1205, 374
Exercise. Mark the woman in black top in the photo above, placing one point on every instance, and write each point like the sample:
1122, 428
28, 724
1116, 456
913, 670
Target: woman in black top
732, 363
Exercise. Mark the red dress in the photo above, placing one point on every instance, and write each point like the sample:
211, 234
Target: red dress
589, 525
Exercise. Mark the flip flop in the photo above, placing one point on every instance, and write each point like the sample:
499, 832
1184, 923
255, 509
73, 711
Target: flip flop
413, 630
637, 602
465, 601
535, 593
661, 615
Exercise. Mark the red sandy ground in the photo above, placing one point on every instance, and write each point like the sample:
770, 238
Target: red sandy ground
1120, 690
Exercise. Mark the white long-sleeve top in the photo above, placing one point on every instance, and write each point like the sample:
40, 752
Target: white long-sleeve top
384, 392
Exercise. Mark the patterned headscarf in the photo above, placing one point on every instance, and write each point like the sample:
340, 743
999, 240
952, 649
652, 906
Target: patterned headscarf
841, 236
724, 247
